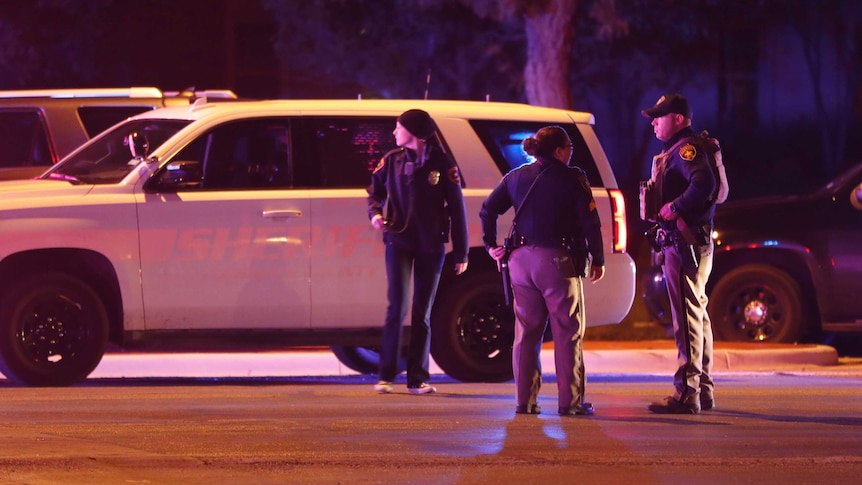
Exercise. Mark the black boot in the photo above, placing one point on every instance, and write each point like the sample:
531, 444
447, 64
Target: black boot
671, 405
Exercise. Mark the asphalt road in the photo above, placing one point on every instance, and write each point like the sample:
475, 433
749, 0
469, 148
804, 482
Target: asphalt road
794, 427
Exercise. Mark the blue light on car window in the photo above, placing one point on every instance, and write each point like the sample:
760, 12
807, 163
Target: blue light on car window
513, 150
770, 242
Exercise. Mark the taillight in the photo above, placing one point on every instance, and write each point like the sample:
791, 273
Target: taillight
618, 206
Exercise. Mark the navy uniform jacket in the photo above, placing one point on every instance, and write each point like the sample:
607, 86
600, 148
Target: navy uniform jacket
420, 201
560, 206
687, 181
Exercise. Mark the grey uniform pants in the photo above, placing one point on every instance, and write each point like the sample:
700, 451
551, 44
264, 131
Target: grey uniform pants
692, 328
546, 289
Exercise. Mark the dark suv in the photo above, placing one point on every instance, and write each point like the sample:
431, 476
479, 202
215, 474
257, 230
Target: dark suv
39, 127
784, 266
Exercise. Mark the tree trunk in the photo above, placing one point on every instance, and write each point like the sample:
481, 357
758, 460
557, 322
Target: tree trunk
549, 44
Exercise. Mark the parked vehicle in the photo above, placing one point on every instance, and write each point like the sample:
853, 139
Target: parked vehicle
784, 267
243, 225
39, 127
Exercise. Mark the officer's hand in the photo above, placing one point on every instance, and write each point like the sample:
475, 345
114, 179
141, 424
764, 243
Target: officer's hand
460, 267
666, 214
497, 253
377, 222
597, 273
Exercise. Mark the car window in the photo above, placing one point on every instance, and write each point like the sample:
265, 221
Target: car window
97, 119
240, 155
503, 141
250, 154
23, 136
107, 159
341, 152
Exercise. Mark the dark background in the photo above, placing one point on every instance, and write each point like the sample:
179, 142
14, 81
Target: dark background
788, 117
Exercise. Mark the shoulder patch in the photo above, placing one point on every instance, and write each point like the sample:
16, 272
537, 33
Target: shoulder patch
380, 165
688, 152
583, 180
454, 175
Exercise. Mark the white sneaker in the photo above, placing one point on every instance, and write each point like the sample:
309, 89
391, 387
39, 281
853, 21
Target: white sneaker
422, 389
383, 387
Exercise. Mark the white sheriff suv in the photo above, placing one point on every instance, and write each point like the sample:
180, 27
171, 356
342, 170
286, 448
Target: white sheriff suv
242, 225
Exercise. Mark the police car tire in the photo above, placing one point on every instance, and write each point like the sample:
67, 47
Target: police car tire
472, 329
752, 290
53, 330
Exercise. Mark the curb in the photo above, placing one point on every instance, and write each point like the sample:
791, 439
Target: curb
651, 357
727, 358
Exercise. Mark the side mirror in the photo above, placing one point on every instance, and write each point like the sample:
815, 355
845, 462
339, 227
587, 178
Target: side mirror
139, 146
856, 197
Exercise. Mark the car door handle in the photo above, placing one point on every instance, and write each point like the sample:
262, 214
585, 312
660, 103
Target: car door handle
282, 214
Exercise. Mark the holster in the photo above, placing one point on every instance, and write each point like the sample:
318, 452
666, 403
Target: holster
580, 257
508, 294
703, 235
687, 244
652, 238
688, 254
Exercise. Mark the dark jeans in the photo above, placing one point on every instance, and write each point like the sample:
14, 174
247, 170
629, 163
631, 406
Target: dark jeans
426, 268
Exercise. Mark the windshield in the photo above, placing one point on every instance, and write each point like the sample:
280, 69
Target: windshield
107, 159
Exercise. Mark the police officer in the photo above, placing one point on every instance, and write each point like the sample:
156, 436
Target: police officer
556, 225
420, 187
685, 184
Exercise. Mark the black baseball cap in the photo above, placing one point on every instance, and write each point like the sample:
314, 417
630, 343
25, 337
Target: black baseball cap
669, 103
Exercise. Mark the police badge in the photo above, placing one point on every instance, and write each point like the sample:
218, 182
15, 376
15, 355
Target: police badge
434, 177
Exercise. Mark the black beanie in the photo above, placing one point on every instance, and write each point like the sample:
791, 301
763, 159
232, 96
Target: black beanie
417, 122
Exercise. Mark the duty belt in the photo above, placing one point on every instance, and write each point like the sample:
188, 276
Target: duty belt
561, 242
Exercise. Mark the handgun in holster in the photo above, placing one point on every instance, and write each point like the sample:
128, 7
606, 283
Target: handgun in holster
686, 245
577, 250
652, 238
504, 271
